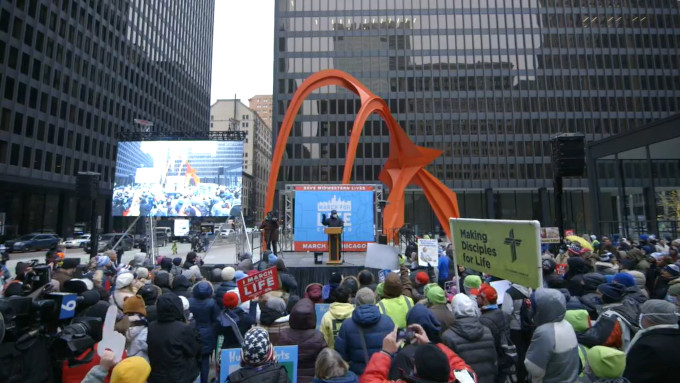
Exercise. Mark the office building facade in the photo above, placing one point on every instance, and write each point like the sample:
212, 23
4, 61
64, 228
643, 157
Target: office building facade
487, 82
226, 115
262, 104
73, 75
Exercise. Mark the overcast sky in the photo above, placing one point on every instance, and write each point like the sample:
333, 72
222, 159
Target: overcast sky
243, 49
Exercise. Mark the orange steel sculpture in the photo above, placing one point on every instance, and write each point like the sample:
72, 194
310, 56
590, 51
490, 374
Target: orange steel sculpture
405, 165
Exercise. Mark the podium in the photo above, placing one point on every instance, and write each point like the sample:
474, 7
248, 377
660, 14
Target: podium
334, 245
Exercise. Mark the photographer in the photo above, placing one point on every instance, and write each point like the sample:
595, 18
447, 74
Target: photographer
270, 225
432, 363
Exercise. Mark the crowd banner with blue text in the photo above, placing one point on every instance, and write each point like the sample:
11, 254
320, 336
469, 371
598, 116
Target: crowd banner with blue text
230, 361
354, 204
505, 249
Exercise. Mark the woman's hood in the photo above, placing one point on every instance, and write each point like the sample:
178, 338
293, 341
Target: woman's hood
303, 315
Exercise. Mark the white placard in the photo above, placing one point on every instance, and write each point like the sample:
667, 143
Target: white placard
381, 257
428, 253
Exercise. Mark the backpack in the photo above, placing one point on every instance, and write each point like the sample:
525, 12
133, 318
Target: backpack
525, 312
225, 320
507, 351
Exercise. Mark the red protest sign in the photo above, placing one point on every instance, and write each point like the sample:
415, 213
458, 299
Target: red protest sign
258, 284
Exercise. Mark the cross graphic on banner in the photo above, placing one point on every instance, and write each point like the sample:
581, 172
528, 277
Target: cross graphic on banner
513, 243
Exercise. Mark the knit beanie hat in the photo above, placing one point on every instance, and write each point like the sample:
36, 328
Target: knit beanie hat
134, 305
380, 290
277, 304
149, 293
640, 279
672, 269
142, 273
177, 261
486, 291
102, 260
228, 274
392, 287
431, 364
422, 278
659, 312
674, 289
124, 280
230, 300
472, 282
133, 369
464, 307
238, 275
257, 348
579, 319
611, 292
365, 296
625, 279
436, 295
606, 362
606, 257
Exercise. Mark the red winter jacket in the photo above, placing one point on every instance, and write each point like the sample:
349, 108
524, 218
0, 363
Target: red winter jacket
379, 367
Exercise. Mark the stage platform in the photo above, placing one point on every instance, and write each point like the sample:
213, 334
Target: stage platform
301, 266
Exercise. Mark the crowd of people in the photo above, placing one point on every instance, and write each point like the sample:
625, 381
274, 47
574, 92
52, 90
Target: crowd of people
609, 315
133, 200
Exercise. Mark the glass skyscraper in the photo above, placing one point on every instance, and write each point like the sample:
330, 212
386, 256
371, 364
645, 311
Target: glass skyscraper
488, 82
73, 75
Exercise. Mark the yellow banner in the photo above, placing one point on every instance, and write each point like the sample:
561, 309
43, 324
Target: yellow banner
503, 248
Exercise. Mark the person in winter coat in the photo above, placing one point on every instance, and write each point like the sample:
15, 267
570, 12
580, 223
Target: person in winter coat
591, 299
173, 347
553, 353
274, 318
163, 279
436, 302
668, 275
631, 291
135, 337
338, 311
471, 340
640, 281
652, 356
402, 364
331, 368
351, 283
205, 312
499, 323
605, 265
134, 369
150, 294
303, 333
443, 268
288, 282
617, 323
181, 285
176, 268
191, 260
394, 304
314, 293
258, 360
237, 324
432, 363
520, 336
366, 279
228, 284
606, 365
333, 283
123, 290
366, 322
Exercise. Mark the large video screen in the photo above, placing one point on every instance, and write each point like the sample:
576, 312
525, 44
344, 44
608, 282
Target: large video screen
178, 178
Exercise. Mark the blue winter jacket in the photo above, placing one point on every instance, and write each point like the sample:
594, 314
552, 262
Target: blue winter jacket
205, 311
348, 343
443, 265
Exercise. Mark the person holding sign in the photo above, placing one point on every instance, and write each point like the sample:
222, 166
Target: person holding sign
258, 360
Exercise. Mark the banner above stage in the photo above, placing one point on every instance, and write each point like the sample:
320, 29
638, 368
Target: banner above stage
503, 248
354, 205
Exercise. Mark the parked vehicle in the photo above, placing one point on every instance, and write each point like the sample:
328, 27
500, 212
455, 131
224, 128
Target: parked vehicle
107, 241
79, 241
224, 232
31, 242
161, 239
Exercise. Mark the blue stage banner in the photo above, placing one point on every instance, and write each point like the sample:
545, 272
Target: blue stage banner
354, 204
